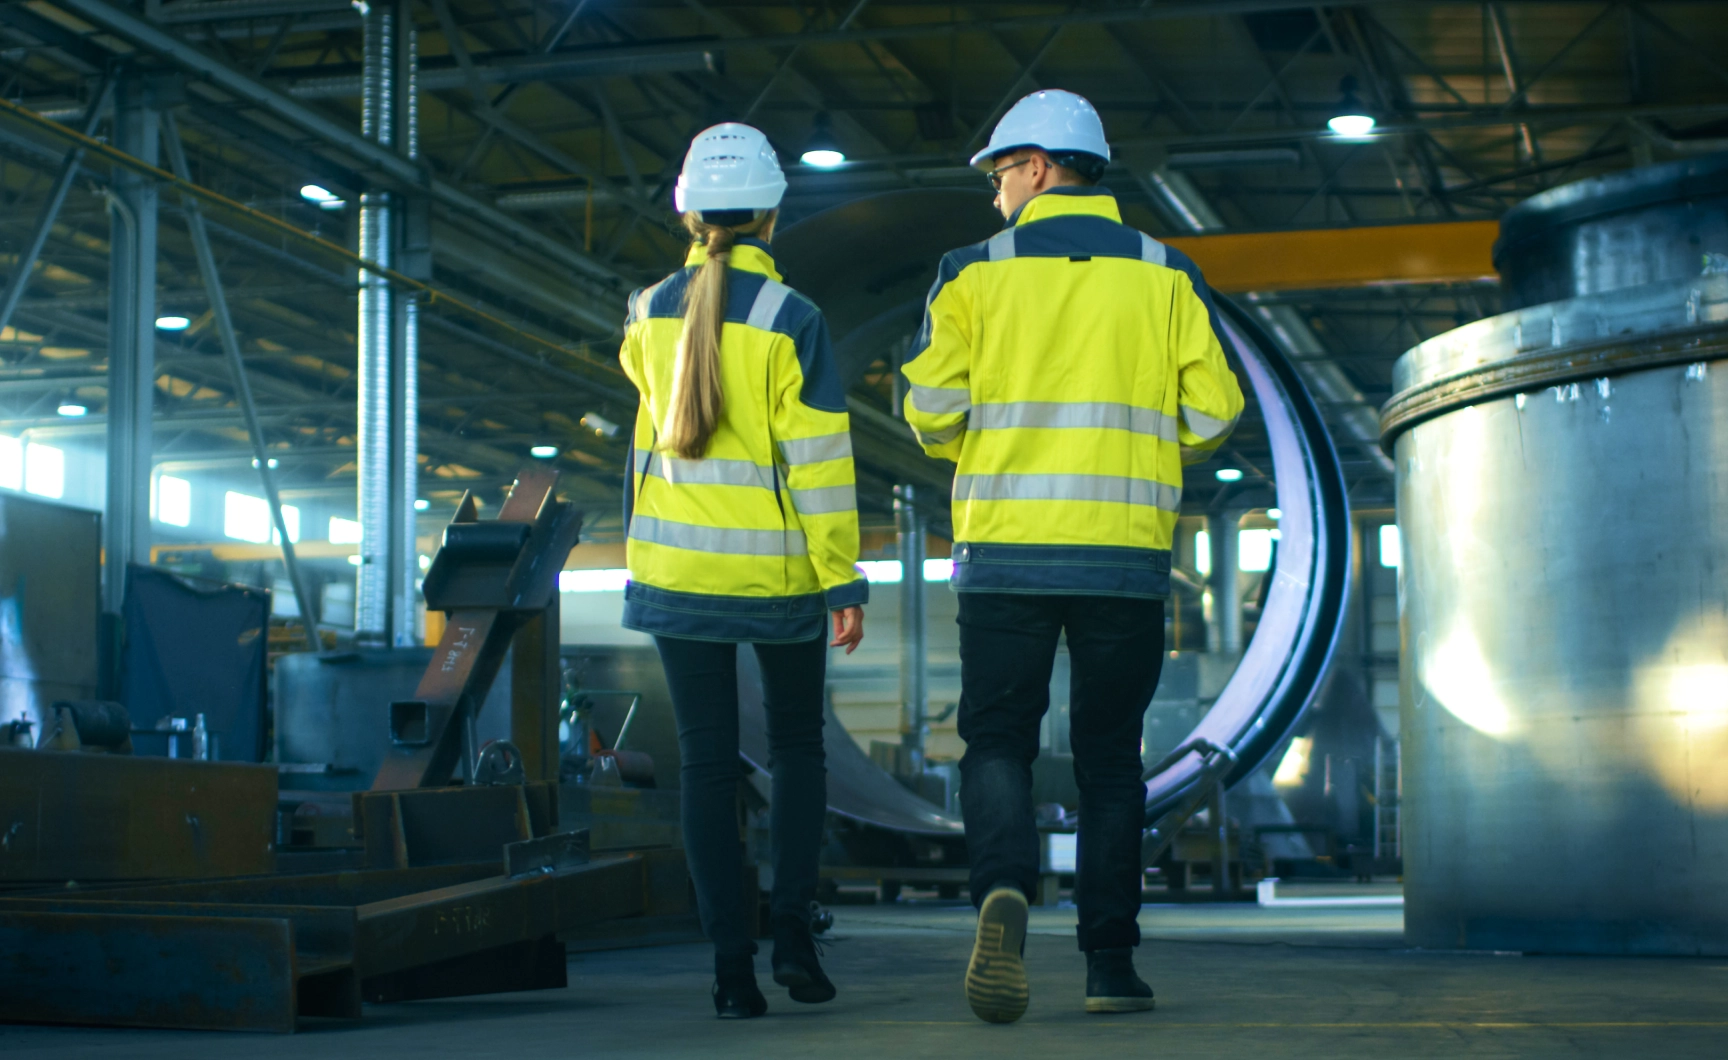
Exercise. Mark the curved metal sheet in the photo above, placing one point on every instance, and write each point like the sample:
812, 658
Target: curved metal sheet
857, 789
1281, 670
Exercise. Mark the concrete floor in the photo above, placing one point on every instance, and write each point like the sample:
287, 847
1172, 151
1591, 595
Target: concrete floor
1232, 980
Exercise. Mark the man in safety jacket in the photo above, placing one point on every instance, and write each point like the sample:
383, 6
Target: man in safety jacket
1069, 365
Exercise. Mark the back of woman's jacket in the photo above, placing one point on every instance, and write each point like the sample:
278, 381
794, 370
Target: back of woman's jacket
757, 540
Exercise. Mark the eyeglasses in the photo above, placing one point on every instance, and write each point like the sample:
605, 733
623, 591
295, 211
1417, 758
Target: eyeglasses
995, 175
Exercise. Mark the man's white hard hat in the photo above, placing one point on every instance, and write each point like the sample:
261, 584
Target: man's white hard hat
730, 166
1051, 119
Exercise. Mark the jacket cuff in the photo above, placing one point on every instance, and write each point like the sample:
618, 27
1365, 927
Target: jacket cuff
852, 594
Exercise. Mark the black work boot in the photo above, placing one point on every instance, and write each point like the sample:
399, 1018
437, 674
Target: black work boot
795, 964
736, 996
1111, 985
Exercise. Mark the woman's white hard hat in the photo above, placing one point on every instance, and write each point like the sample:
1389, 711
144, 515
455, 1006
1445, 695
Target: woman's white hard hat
1051, 119
730, 166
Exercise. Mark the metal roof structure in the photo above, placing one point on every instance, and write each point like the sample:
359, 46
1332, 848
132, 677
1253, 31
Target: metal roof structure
550, 132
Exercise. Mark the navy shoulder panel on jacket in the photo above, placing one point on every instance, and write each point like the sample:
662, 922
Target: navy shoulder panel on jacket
664, 299
1075, 235
823, 388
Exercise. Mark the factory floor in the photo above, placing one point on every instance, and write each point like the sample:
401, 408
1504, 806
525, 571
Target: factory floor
1232, 980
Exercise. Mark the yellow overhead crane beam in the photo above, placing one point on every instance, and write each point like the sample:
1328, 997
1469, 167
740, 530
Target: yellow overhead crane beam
1331, 258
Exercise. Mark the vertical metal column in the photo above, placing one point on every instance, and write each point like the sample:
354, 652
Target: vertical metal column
388, 340
1224, 630
132, 204
914, 668
1221, 853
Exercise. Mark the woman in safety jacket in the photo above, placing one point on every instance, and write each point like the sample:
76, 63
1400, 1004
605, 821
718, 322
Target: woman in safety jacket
743, 528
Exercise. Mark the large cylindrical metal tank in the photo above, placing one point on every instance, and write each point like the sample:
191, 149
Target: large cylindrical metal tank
1563, 496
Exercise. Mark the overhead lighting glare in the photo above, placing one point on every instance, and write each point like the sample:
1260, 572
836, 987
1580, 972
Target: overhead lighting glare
1352, 120
173, 323
822, 150
319, 194
71, 406
421, 504
1228, 474
822, 158
543, 452
1274, 514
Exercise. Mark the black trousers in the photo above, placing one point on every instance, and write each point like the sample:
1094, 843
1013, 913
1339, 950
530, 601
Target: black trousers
1007, 648
703, 677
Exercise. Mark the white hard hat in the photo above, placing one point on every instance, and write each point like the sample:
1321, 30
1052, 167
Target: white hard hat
730, 166
1051, 119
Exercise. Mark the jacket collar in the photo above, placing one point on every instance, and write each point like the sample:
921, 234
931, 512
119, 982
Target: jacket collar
749, 254
1095, 201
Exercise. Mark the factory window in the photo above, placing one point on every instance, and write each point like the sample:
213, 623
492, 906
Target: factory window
44, 471
1293, 767
887, 571
1254, 550
608, 580
1391, 546
344, 531
246, 518
1203, 552
173, 500
291, 516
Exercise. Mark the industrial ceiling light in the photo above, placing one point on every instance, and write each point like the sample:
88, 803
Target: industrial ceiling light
1274, 514
421, 504
173, 322
1351, 120
1228, 474
322, 197
543, 452
71, 406
822, 150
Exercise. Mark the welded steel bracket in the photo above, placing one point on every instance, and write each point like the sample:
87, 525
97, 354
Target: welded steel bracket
497, 581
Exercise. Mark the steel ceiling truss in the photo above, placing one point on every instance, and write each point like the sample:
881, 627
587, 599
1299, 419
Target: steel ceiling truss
552, 95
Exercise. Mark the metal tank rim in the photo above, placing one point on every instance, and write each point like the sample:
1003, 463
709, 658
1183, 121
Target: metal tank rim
1595, 336
1597, 197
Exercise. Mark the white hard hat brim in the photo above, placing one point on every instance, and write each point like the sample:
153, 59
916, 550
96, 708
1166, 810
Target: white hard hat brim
1051, 120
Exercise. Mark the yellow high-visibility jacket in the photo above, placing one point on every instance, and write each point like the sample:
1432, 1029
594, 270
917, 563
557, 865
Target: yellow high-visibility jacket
758, 540
1063, 364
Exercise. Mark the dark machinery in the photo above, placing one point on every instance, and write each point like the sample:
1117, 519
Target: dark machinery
466, 887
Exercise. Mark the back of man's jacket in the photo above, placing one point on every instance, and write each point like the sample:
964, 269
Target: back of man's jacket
1064, 364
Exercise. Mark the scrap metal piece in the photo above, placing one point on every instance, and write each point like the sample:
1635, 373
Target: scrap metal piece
561, 850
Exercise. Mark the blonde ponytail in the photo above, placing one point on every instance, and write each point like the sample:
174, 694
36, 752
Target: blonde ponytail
696, 397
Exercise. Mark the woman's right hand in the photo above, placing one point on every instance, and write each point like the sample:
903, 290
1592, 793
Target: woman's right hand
848, 628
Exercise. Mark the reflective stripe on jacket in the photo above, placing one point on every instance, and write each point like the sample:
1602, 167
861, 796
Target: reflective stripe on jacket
757, 540
1064, 364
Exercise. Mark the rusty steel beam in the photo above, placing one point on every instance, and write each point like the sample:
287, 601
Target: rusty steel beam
1328, 258
117, 817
